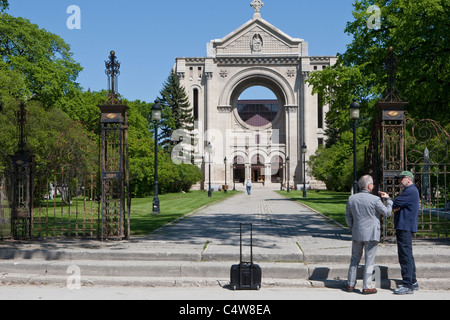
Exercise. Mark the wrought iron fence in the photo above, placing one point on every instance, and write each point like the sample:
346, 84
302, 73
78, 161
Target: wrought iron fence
426, 155
5, 209
67, 202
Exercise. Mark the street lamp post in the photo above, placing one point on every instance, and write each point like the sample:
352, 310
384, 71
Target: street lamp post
234, 178
282, 174
354, 115
304, 150
209, 151
288, 174
156, 117
225, 187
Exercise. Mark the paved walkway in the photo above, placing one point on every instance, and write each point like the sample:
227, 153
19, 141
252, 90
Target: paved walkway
283, 230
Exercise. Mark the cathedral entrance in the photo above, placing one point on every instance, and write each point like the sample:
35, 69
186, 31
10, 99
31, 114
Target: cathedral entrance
257, 169
238, 170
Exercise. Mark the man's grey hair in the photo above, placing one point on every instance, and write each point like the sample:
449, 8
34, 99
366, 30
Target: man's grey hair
364, 182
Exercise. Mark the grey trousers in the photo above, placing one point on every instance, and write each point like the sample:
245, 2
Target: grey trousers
370, 249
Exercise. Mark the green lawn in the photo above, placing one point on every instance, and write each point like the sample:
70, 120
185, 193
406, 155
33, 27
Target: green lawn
173, 206
55, 218
329, 203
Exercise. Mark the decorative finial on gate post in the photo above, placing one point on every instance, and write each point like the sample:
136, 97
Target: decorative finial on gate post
112, 71
391, 69
257, 5
21, 120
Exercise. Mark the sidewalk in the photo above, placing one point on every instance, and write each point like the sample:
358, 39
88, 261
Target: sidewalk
295, 246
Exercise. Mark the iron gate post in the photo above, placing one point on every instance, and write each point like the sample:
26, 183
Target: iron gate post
21, 183
392, 140
114, 161
21, 195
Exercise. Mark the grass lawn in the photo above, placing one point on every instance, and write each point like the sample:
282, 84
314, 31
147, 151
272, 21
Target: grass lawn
55, 218
329, 203
173, 206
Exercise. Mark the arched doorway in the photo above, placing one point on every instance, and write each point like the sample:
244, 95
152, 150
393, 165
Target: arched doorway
238, 169
257, 169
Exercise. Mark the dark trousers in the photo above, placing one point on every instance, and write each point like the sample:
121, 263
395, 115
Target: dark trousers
406, 258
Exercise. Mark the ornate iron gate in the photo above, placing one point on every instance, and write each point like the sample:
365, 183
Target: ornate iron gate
400, 143
67, 190
427, 156
422, 147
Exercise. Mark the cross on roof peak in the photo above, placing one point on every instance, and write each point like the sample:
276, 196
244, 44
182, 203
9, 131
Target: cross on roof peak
257, 5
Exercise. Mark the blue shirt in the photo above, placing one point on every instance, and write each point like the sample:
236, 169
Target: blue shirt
407, 219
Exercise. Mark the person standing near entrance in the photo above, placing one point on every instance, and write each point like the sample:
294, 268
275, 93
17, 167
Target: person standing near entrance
406, 220
248, 185
363, 217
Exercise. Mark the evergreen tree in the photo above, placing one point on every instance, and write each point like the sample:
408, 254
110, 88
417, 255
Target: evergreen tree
177, 112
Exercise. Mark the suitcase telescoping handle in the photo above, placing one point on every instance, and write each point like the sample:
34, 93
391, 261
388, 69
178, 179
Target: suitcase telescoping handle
251, 241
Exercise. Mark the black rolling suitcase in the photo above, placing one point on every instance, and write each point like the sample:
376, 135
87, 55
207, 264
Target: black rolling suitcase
246, 275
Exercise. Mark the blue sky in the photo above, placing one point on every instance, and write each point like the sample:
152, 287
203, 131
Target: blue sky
148, 35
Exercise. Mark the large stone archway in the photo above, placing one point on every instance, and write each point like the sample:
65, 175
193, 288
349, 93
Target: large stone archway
254, 76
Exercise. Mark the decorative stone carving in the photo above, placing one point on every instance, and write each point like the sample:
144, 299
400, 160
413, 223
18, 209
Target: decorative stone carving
224, 109
291, 73
223, 73
257, 43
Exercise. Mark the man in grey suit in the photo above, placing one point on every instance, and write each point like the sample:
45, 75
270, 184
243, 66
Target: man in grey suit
363, 217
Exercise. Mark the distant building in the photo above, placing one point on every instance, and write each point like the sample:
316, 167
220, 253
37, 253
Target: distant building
255, 136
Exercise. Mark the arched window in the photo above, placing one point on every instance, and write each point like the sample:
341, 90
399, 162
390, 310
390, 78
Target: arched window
195, 104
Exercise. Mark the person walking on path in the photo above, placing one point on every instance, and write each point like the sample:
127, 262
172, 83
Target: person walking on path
248, 184
363, 217
406, 219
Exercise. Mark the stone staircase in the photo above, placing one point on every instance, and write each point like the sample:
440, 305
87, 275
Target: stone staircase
182, 268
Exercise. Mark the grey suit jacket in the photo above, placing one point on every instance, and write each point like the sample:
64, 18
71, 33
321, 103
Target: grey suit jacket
363, 215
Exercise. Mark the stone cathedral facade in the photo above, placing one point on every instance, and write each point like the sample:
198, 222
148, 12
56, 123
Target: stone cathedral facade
260, 139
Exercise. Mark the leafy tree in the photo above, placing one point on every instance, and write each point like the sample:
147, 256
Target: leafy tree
334, 165
4, 5
64, 121
43, 58
47, 133
418, 32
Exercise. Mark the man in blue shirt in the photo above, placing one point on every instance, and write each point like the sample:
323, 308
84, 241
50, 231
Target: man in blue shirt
406, 219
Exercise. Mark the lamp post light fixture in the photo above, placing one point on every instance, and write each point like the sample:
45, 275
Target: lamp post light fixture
234, 178
282, 174
225, 189
288, 173
209, 151
304, 150
354, 115
156, 117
